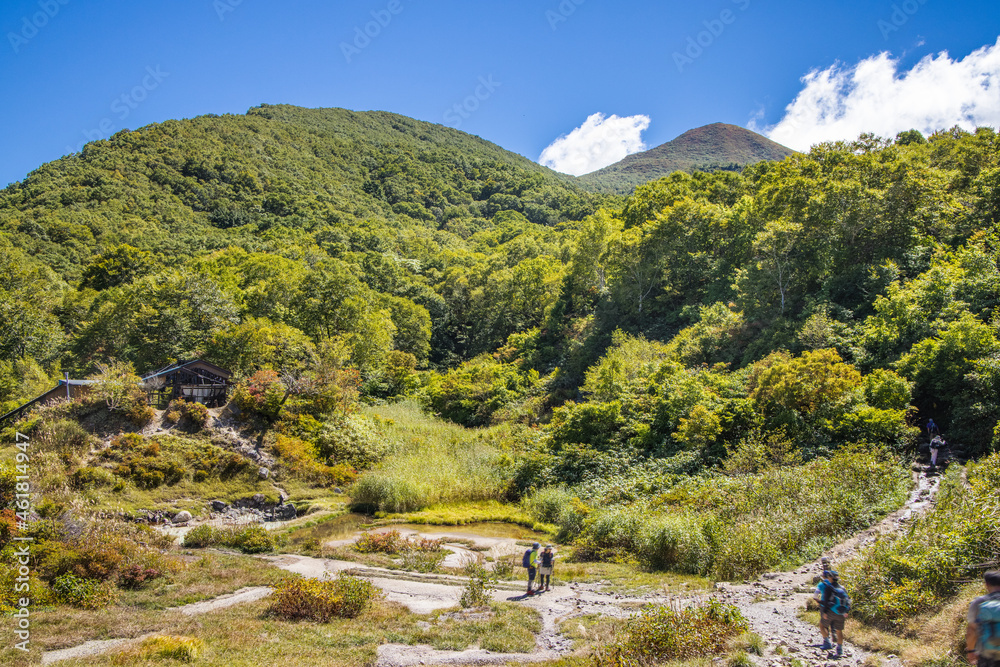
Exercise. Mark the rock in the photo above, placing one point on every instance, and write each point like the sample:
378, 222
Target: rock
182, 517
263, 473
257, 500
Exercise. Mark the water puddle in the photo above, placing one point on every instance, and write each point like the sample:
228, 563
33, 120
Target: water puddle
343, 527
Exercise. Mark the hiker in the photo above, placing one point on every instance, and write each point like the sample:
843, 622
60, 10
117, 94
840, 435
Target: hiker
982, 638
545, 561
530, 561
936, 444
834, 606
824, 623
932, 429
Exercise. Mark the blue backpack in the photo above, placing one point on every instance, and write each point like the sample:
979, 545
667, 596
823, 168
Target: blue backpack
840, 602
526, 559
988, 620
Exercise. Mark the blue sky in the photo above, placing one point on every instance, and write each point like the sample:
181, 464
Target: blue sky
73, 69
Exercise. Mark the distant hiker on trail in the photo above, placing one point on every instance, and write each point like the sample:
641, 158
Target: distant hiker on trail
835, 606
932, 429
936, 444
530, 561
982, 637
824, 623
545, 563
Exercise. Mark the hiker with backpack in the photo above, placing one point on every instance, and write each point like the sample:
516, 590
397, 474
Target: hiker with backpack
982, 637
824, 623
530, 561
545, 561
936, 444
835, 606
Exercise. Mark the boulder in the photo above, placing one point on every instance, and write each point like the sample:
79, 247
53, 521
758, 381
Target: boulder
257, 500
263, 473
182, 517
218, 506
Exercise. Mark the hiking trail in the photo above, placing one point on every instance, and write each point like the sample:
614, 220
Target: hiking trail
771, 604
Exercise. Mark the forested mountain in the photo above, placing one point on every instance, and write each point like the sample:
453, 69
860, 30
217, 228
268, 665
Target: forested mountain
708, 148
143, 245
439, 265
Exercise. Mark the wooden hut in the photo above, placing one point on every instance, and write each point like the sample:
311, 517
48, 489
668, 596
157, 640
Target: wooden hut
196, 381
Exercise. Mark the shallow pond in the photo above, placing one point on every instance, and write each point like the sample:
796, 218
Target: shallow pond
341, 527
485, 529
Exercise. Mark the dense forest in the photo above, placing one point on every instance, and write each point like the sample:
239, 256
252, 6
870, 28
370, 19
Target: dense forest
841, 295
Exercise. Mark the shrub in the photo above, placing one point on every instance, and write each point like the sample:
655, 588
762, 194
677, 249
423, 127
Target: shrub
478, 586
675, 542
91, 478
299, 457
167, 647
392, 542
84, 593
415, 560
249, 540
185, 414
261, 394
136, 576
119, 388
659, 634
200, 537
321, 600
353, 441
64, 436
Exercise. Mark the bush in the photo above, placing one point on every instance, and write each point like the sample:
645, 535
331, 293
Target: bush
84, 593
659, 634
388, 542
261, 394
189, 415
91, 478
321, 600
352, 441
64, 436
136, 576
478, 586
249, 540
300, 458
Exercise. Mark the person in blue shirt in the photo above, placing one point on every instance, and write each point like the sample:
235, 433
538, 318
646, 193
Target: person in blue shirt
824, 623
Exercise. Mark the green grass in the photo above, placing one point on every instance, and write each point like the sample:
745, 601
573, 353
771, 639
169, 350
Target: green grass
629, 578
434, 462
468, 512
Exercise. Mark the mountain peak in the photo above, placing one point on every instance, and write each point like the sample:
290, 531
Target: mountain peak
706, 148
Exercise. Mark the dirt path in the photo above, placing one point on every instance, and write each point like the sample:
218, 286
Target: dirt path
773, 602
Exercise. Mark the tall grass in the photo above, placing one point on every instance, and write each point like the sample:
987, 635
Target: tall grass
433, 462
733, 527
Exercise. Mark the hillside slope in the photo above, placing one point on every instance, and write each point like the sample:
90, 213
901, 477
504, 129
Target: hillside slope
182, 187
706, 148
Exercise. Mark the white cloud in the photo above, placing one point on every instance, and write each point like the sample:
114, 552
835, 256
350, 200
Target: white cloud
597, 143
874, 96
